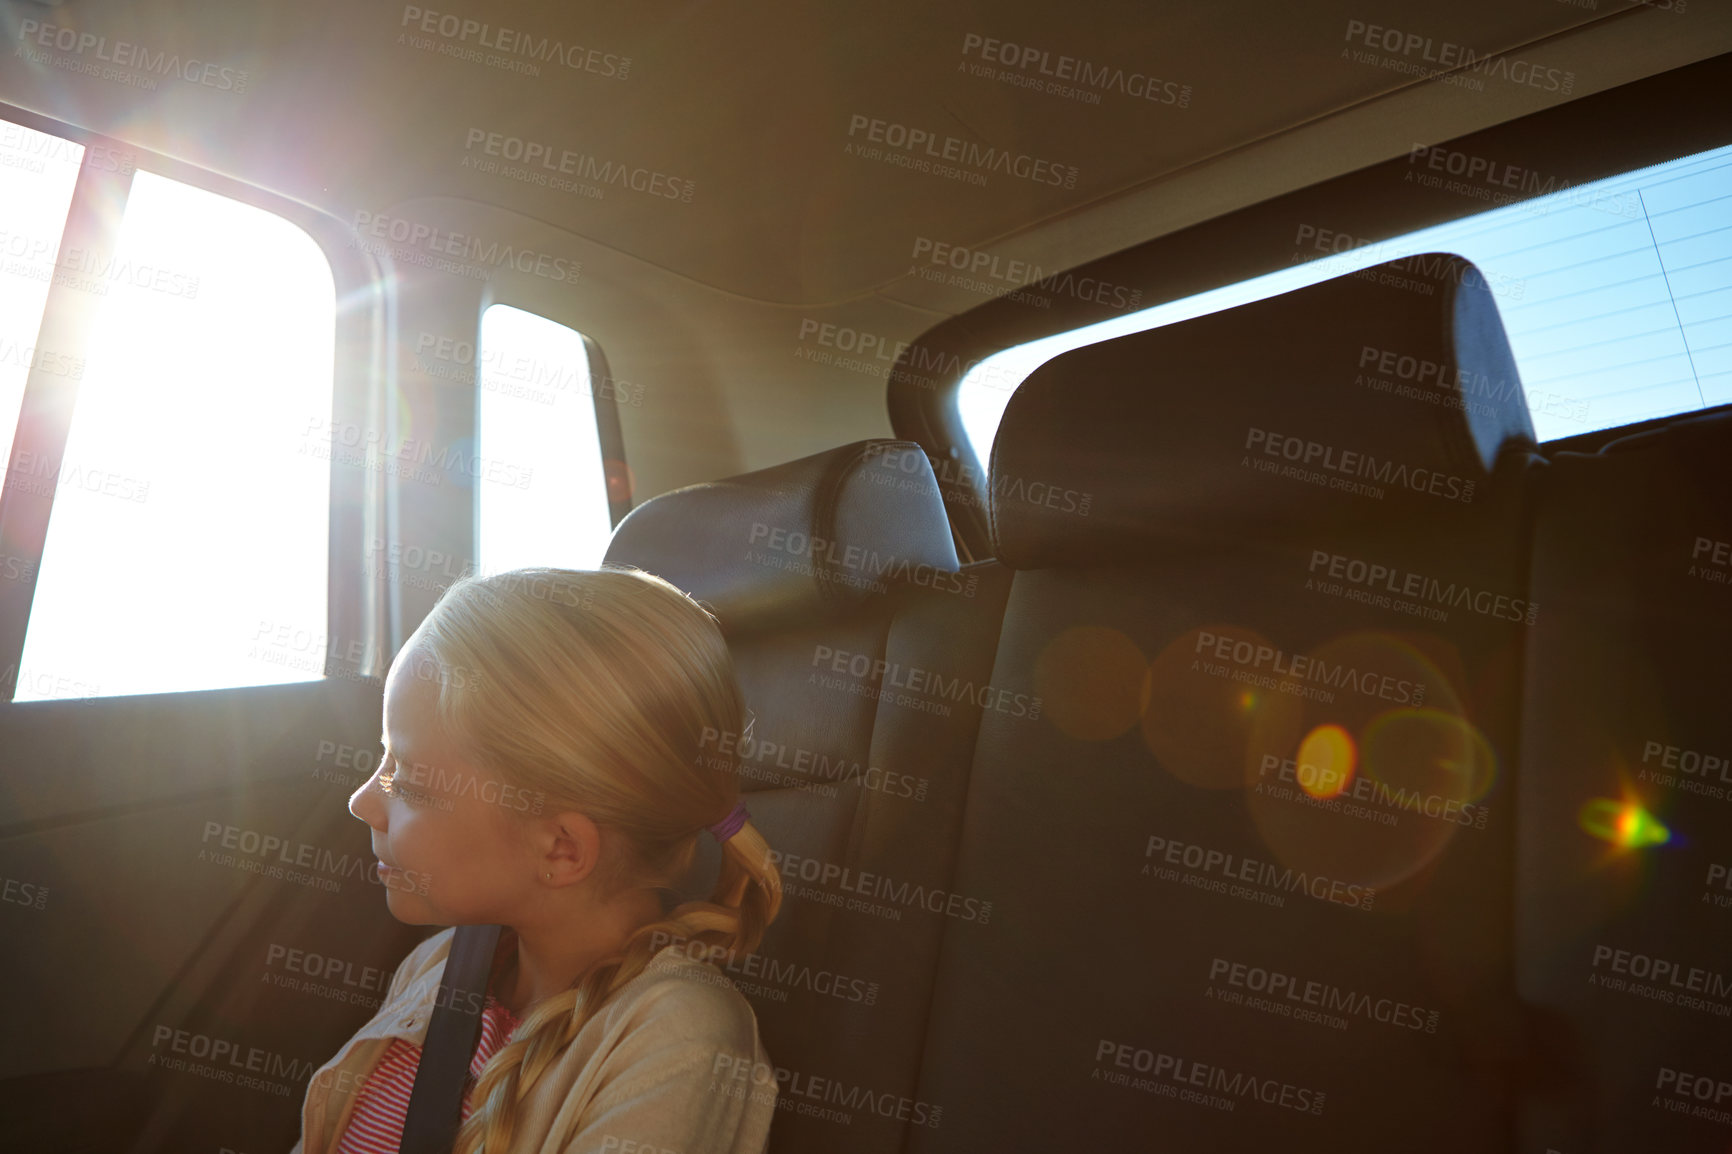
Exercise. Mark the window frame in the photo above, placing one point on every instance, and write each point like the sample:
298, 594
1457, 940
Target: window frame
363, 374
1632, 126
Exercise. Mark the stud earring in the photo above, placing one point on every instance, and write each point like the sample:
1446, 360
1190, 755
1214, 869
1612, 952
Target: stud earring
549, 877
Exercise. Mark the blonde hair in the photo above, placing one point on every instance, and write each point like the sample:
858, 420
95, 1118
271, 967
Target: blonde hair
603, 691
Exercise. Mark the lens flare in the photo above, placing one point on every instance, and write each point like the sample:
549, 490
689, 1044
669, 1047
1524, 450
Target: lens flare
1362, 784
1095, 682
1327, 758
1623, 823
1431, 754
1201, 706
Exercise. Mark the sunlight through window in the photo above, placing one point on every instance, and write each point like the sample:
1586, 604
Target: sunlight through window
188, 543
538, 436
1616, 297
37, 172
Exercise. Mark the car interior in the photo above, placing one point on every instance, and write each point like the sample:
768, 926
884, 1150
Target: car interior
1222, 517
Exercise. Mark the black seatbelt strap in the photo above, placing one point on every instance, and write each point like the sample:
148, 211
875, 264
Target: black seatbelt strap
436, 1102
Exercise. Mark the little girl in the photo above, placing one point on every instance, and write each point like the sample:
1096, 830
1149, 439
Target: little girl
551, 751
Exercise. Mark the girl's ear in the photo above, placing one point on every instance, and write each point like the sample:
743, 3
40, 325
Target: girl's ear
573, 847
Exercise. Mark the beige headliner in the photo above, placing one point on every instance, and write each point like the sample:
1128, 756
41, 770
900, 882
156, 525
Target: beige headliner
704, 301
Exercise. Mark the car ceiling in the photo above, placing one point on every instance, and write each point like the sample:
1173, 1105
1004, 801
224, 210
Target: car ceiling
355, 109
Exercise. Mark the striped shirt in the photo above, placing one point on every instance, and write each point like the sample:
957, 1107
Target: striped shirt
376, 1126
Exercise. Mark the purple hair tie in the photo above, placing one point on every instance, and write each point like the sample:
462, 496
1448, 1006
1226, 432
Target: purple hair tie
730, 825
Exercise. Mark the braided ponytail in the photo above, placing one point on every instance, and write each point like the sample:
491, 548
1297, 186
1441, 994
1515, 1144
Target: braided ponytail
604, 691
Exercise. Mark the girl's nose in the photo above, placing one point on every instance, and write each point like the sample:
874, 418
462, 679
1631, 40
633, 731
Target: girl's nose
367, 805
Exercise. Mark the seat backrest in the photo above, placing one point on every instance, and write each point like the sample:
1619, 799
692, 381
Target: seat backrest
1251, 869
1625, 897
863, 649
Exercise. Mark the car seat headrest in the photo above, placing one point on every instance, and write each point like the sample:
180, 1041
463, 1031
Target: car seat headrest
1377, 396
810, 537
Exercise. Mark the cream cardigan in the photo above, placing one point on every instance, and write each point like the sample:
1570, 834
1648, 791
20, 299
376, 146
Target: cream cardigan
672, 1062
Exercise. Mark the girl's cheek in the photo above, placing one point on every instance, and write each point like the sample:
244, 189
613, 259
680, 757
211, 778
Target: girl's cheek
413, 873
